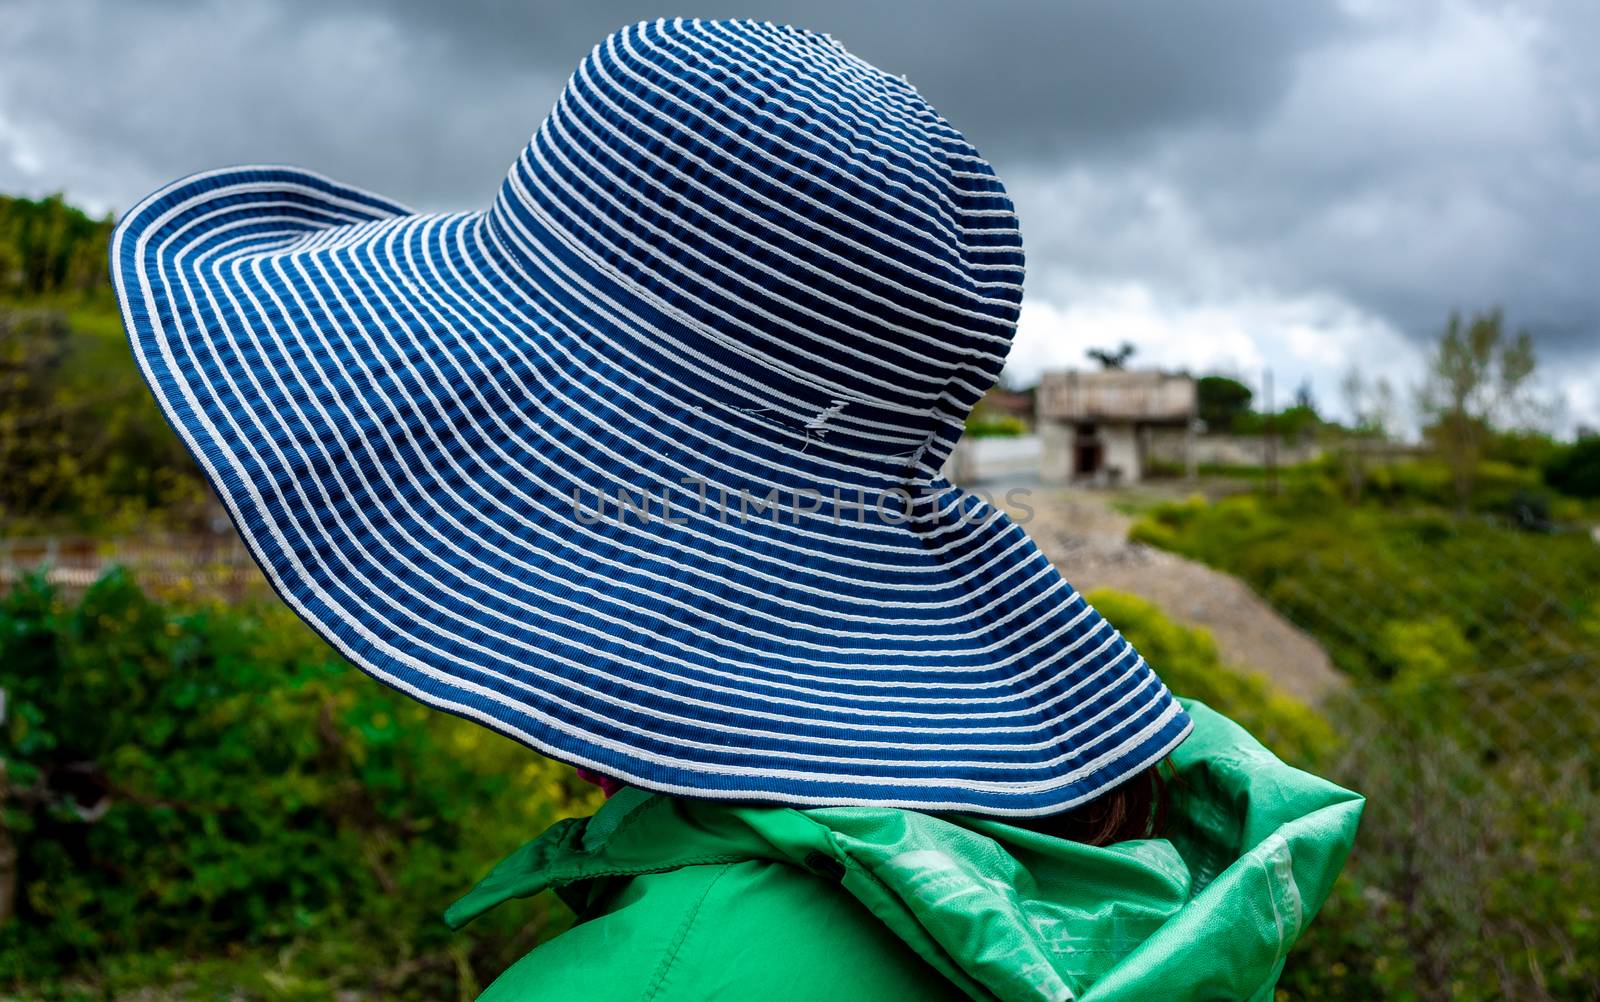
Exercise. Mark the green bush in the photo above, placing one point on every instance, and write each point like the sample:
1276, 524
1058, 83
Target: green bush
1430, 482
1533, 449
1292, 422
1347, 573
1575, 469
1186, 659
1005, 426
1472, 876
48, 247
204, 782
82, 444
1473, 645
1222, 400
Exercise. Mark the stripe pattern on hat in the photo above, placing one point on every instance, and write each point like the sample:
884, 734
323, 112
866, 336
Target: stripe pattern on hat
639, 466
794, 205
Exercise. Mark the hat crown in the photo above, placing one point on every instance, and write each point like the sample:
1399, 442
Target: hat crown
806, 215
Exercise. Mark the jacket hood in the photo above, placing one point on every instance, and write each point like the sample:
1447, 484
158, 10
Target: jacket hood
1007, 913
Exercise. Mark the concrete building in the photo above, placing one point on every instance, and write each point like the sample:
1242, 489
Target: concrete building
1104, 428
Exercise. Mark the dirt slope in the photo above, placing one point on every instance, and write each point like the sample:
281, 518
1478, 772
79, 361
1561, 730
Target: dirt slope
1088, 540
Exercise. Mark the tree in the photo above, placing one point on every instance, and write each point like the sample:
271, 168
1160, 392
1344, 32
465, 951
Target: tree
1222, 400
1110, 358
47, 247
1371, 408
38, 449
82, 444
1477, 378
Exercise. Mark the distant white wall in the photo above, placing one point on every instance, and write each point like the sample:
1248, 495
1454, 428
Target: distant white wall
978, 459
1232, 450
1126, 452
1055, 459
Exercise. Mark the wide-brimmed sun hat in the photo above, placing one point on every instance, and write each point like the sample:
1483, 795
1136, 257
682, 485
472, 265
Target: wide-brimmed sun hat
640, 466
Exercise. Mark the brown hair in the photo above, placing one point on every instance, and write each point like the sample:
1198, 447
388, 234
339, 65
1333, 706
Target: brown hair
1135, 809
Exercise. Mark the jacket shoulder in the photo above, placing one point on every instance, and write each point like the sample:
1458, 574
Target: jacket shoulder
749, 929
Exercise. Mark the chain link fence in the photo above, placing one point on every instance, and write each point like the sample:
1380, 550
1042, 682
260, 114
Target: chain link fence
1478, 864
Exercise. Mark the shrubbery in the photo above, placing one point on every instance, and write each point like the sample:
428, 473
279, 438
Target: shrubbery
83, 447
1004, 426
1473, 872
1186, 659
1329, 566
1575, 469
82, 444
1473, 646
213, 783
47, 247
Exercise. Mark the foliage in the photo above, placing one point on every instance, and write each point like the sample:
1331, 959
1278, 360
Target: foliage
81, 441
1473, 872
83, 447
1393, 567
1224, 406
1293, 422
1515, 493
1524, 447
48, 247
1472, 877
1476, 381
203, 781
1575, 469
1495, 486
1187, 660
1112, 358
1001, 426
1221, 399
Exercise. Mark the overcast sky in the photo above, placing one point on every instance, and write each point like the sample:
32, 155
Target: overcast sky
1231, 186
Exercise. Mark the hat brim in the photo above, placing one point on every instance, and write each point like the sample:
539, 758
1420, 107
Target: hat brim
412, 430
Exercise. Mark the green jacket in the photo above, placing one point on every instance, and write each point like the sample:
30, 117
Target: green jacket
695, 900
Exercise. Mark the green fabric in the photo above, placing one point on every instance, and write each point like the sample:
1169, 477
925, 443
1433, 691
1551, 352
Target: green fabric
692, 900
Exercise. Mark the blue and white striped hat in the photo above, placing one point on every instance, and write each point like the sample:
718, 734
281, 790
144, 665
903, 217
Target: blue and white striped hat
641, 465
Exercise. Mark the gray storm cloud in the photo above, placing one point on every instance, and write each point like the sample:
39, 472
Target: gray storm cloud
1305, 185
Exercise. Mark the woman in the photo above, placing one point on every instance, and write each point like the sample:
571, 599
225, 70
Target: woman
641, 467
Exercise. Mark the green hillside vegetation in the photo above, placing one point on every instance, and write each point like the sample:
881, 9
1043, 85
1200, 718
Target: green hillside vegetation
209, 797
1472, 644
83, 447
1189, 664
50, 249
1433, 592
1575, 469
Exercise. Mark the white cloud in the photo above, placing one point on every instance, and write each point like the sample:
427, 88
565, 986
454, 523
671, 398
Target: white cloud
16, 151
1200, 338
1581, 393
1311, 339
